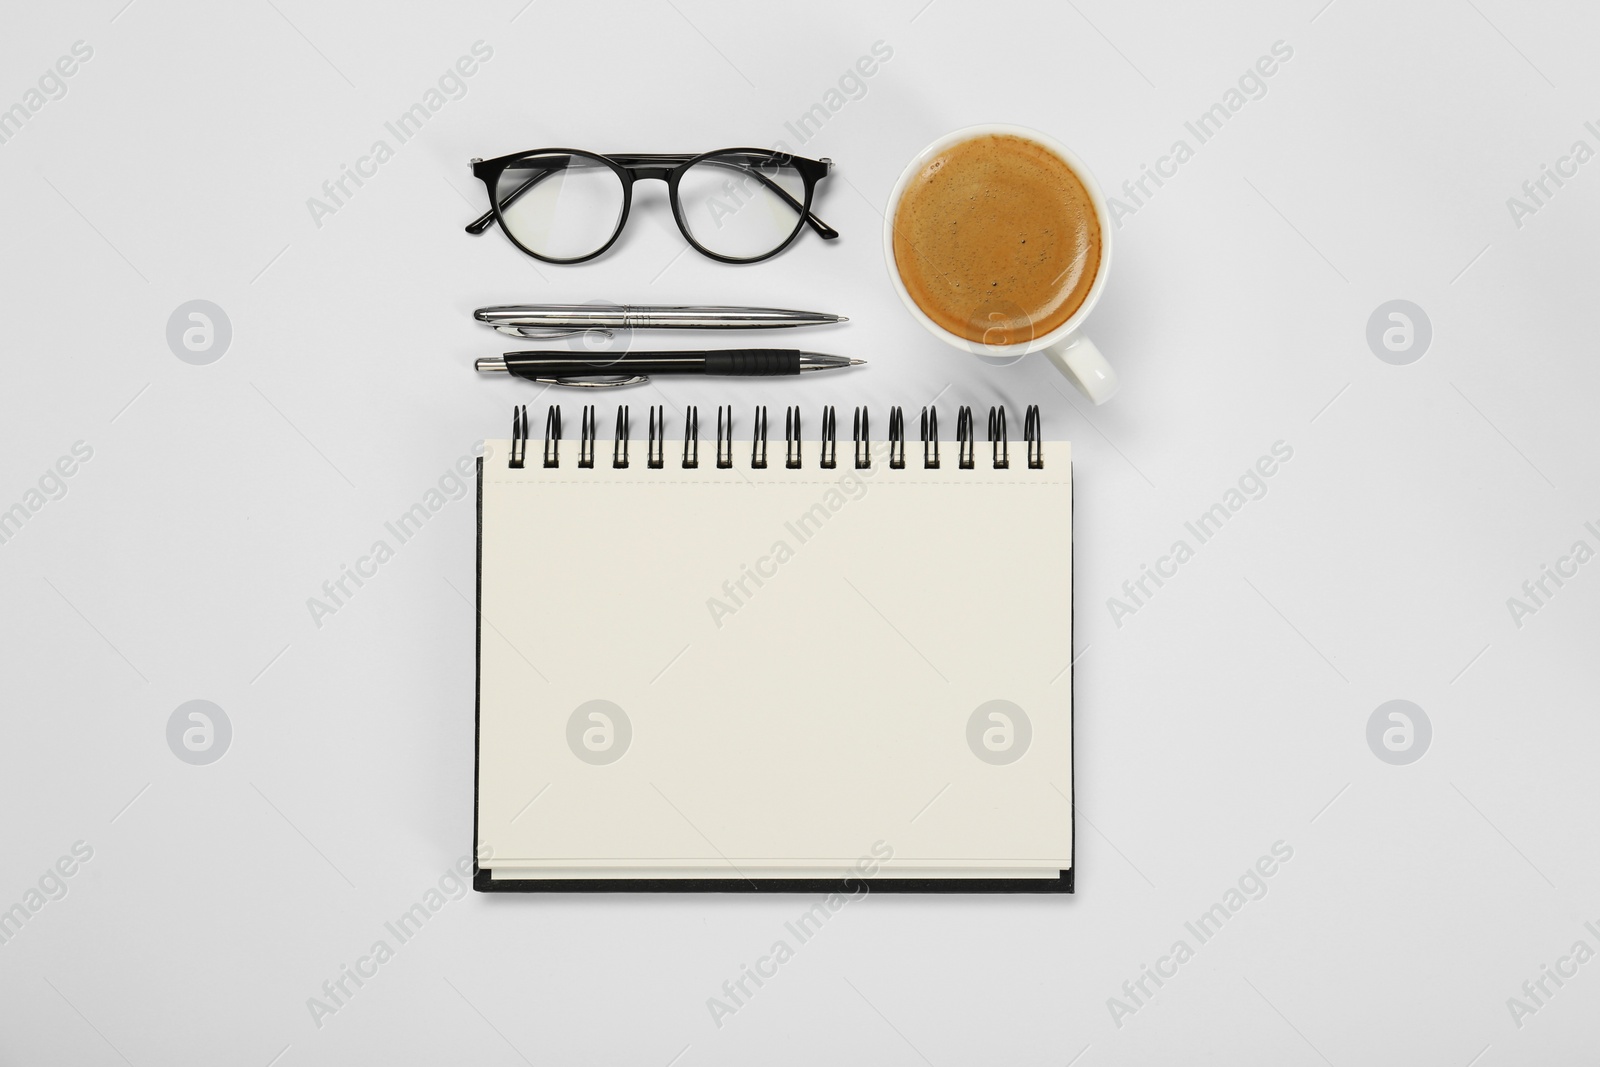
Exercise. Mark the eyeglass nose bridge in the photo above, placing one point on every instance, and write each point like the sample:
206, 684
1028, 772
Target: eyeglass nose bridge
646, 172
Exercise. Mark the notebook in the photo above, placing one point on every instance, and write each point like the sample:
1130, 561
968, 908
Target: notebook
747, 664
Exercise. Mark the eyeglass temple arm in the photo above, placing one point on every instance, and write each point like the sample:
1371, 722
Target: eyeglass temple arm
826, 232
484, 221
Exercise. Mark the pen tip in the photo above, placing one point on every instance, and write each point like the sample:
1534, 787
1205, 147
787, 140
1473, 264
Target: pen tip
841, 318
858, 363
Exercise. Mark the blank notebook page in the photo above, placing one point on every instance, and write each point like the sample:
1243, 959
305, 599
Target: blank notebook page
771, 673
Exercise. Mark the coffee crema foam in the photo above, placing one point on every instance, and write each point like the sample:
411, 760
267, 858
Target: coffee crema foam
996, 239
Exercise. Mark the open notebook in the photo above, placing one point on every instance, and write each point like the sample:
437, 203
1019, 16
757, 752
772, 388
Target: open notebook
762, 673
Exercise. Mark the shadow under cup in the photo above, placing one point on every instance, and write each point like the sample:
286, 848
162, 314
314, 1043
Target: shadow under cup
997, 240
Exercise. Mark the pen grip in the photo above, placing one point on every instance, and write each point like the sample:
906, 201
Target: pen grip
750, 362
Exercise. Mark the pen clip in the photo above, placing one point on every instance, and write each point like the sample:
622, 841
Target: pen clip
598, 383
546, 333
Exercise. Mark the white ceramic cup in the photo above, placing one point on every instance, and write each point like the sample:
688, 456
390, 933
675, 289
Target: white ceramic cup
1066, 346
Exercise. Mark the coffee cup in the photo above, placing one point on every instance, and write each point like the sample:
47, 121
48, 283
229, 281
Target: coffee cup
988, 317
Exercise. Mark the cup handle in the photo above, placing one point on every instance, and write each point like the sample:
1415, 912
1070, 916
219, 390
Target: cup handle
1079, 359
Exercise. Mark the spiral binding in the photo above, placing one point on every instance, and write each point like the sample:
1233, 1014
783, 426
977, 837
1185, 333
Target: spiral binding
552, 437
897, 438
1033, 434
964, 444
997, 438
791, 438
656, 458
793, 451
586, 437
519, 436
619, 445
724, 444
691, 438
758, 441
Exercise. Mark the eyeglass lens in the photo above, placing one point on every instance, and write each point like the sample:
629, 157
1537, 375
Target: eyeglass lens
560, 205
739, 205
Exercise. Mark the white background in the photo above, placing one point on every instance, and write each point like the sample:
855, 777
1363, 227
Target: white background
1227, 714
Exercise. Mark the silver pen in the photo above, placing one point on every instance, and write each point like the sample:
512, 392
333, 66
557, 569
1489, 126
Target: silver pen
565, 320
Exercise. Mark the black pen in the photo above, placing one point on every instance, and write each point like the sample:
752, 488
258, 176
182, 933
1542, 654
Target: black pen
634, 368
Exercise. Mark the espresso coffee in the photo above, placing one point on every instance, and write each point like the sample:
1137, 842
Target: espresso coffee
996, 240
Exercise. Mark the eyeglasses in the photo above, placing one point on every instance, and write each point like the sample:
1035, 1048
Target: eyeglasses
736, 205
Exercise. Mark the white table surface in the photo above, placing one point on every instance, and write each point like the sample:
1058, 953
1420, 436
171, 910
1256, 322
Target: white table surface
1228, 713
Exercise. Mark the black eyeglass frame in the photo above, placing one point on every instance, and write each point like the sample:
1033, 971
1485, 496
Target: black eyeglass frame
670, 168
